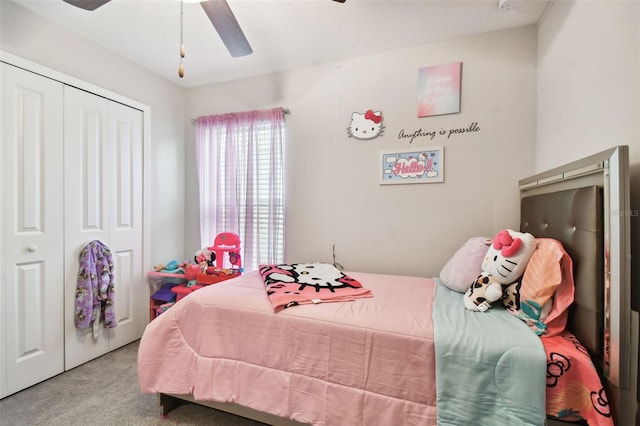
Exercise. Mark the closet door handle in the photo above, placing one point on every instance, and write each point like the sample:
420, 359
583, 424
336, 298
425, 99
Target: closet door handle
33, 249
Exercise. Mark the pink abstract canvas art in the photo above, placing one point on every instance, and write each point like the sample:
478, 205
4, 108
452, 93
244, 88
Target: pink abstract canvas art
439, 89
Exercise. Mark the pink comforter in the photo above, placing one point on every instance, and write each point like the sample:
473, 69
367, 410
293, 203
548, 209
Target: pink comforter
365, 362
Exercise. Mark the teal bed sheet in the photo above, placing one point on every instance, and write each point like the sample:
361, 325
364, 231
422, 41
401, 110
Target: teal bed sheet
490, 367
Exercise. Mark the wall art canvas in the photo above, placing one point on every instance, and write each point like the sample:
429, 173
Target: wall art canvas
439, 89
412, 166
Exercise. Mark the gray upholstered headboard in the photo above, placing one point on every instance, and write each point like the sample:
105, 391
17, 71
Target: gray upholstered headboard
585, 206
574, 217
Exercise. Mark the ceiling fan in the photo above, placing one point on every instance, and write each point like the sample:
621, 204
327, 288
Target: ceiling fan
219, 14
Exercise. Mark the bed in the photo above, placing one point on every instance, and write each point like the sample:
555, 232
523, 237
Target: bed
411, 354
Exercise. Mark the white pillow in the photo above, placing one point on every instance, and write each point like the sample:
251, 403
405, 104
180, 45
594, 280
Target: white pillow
465, 265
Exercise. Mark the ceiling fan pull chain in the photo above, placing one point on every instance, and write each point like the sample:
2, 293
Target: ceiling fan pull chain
181, 67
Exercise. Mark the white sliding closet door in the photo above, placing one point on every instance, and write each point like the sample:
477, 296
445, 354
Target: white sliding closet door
103, 201
31, 213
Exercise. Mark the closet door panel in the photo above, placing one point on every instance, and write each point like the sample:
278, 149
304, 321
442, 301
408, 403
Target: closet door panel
87, 197
103, 187
31, 178
126, 223
126, 302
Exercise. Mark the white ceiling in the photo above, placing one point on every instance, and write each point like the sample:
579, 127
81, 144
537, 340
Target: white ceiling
284, 34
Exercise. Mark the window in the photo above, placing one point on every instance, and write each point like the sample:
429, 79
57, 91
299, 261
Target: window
240, 159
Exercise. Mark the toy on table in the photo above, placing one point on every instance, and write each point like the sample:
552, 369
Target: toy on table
228, 242
209, 267
503, 265
205, 258
220, 261
212, 259
172, 267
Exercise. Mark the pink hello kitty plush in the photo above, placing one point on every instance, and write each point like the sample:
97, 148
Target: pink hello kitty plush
503, 264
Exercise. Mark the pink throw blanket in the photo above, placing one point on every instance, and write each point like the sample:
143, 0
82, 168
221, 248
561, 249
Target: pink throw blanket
305, 283
574, 389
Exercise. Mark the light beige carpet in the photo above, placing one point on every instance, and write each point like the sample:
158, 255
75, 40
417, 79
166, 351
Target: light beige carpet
103, 392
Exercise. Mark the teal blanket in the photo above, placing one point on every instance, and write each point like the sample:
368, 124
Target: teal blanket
490, 367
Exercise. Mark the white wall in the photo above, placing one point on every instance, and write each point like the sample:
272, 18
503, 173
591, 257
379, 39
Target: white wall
31, 37
333, 193
588, 80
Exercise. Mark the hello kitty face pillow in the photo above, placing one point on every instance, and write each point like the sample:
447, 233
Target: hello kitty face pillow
504, 263
366, 126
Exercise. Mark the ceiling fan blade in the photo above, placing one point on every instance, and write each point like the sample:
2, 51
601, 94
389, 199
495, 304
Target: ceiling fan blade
87, 4
227, 26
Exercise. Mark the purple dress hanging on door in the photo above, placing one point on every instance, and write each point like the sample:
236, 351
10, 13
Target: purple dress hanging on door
95, 287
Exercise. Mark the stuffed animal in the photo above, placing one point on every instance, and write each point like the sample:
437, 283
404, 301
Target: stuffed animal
504, 264
482, 293
205, 258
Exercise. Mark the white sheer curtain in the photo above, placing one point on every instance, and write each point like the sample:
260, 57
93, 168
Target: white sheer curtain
240, 161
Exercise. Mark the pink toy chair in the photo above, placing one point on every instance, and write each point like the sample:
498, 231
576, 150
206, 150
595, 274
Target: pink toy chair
230, 243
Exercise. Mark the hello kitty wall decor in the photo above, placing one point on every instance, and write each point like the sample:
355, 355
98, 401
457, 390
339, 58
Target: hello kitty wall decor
400, 166
366, 125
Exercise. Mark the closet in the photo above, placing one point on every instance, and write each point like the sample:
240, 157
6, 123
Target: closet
71, 171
